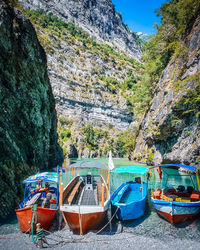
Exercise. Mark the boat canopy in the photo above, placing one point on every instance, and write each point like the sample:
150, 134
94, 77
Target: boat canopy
132, 169
45, 176
88, 164
192, 168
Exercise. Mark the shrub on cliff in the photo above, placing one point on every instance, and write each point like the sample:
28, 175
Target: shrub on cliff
11, 188
177, 19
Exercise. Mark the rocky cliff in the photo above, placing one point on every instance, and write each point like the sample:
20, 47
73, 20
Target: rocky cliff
170, 129
91, 68
28, 138
91, 82
97, 17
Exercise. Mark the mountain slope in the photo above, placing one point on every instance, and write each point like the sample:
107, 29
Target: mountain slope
92, 82
170, 129
97, 17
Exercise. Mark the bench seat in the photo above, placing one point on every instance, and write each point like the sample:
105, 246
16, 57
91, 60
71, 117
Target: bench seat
73, 193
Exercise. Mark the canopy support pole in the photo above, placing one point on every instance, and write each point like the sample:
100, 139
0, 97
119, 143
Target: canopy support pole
65, 177
151, 183
102, 201
192, 181
61, 189
197, 176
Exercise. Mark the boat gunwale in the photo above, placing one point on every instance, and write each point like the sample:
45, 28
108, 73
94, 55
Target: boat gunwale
80, 209
177, 203
30, 207
126, 204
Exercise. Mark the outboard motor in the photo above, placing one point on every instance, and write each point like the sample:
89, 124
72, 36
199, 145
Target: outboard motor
89, 182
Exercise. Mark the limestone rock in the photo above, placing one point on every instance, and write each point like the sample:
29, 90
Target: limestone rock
98, 17
166, 132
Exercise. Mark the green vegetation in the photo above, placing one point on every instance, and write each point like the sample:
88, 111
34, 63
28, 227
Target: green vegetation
64, 133
99, 140
177, 18
49, 25
93, 136
65, 121
69, 32
125, 143
190, 102
11, 188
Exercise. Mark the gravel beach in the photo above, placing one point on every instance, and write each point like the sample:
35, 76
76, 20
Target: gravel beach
149, 232
103, 241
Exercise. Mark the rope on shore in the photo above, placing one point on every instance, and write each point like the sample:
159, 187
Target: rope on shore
108, 221
34, 221
77, 240
34, 239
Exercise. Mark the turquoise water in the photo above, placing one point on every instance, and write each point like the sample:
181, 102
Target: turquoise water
116, 179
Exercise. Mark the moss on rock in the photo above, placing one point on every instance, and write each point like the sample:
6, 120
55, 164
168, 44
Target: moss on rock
28, 137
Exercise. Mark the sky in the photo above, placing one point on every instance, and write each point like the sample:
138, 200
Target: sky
139, 14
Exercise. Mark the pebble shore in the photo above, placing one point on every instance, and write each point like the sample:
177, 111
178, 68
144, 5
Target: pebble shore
92, 241
150, 232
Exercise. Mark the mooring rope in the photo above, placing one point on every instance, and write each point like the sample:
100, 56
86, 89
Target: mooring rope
108, 221
83, 240
34, 221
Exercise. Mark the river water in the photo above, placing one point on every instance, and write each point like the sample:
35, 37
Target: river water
150, 225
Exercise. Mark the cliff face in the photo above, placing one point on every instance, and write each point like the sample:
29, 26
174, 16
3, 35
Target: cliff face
28, 136
97, 17
91, 82
80, 92
170, 130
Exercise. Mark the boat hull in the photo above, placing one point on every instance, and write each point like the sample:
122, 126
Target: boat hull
44, 217
134, 208
82, 223
176, 212
132, 211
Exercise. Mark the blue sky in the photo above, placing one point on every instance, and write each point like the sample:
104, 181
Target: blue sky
139, 14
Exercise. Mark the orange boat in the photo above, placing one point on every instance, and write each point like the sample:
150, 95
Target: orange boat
40, 201
85, 200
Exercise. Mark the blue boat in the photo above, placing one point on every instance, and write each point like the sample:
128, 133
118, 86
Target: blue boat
129, 200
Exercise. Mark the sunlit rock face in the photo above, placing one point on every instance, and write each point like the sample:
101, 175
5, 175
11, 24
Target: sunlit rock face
28, 138
170, 129
98, 17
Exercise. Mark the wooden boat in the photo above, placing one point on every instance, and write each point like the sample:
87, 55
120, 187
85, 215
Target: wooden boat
84, 201
128, 201
177, 204
40, 201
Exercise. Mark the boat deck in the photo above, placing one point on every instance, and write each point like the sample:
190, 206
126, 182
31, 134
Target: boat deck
88, 198
85, 197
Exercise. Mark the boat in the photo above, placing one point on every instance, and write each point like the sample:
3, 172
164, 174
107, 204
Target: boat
40, 201
177, 203
129, 199
84, 197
